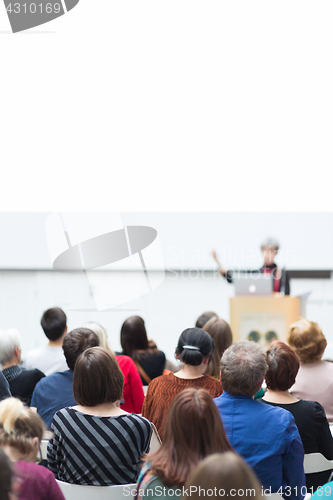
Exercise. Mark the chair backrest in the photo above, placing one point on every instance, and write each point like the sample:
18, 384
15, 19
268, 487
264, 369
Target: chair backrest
155, 440
116, 492
316, 462
43, 448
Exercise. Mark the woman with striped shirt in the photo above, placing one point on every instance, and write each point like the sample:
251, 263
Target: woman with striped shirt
95, 442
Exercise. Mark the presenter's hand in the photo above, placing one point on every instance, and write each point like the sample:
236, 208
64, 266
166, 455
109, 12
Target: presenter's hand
221, 269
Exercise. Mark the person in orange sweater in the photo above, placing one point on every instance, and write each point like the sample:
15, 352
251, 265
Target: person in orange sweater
194, 350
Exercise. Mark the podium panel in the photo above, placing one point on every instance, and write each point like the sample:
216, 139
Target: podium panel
262, 319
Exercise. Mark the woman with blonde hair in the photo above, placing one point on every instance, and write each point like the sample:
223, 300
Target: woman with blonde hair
21, 431
133, 394
314, 380
223, 475
193, 431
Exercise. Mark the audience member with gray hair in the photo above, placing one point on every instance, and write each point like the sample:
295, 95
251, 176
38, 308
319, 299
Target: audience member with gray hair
22, 382
244, 368
266, 437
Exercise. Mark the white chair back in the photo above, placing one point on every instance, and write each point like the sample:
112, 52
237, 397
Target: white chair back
316, 462
43, 448
155, 440
116, 492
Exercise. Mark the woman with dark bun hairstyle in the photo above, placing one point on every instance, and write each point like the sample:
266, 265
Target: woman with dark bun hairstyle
194, 351
193, 431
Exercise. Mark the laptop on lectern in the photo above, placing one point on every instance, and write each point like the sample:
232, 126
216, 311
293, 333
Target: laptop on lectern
253, 284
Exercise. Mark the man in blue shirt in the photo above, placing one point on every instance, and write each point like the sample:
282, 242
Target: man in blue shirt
265, 436
55, 392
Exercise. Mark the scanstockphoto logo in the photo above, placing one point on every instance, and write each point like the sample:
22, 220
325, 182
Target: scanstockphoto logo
26, 14
97, 243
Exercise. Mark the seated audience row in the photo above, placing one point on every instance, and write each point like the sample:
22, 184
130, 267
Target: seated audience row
96, 442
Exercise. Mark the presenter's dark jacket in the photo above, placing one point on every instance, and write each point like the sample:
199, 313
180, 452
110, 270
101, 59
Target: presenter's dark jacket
280, 284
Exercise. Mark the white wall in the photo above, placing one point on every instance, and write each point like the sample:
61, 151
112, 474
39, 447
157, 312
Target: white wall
167, 310
306, 239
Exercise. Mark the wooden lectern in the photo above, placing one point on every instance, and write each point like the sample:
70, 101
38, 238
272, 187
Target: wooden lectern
262, 319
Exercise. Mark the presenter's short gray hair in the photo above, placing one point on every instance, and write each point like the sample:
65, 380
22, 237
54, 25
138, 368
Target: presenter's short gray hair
9, 340
270, 242
243, 368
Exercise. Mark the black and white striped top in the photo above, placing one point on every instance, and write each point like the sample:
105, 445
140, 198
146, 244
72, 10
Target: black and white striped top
97, 451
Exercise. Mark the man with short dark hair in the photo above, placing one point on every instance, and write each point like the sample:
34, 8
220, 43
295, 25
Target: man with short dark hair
50, 358
267, 438
55, 392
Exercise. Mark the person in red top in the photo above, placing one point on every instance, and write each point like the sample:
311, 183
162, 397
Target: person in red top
269, 248
133, 395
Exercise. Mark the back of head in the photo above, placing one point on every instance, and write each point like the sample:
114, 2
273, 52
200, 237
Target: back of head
193, 431
228, 473
19, 425
221, 333
54, 322
283, 365
206, 316
97, 378
76, 342
194, 345
100, 332
9, 341
243, 368
133, 335
307, 340
6, 475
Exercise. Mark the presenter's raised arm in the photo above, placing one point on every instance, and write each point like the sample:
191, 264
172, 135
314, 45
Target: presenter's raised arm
222, 271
